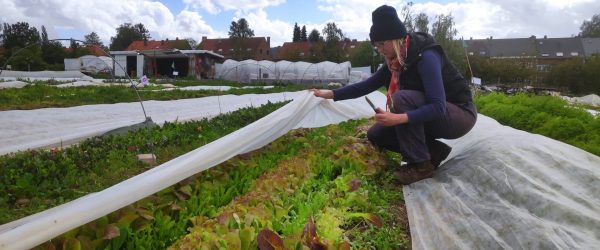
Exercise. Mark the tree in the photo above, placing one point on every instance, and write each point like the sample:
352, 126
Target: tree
19, 35
296, 36
422, 23
126, 34
29, 59
192, 42
331, 50
93, 39
591, 28
363, 55
443, 32
303, 36
77, 50
332, 32
44, 35
316, 52
240, 29
53, 53
579, 76
24, 40
237, 31
315, 36
407, 17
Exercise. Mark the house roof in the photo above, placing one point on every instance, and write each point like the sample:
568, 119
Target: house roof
294, 47
590, 46
551, 48
94, 50
515, 47
158, 45
559, 47
226, 43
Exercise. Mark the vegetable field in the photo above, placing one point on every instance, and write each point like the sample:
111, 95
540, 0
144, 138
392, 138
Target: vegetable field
545, 115
324, 187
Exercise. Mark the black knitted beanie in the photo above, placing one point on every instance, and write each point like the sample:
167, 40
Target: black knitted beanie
386, 25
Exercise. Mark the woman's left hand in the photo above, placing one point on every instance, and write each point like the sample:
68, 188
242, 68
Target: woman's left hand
390, 119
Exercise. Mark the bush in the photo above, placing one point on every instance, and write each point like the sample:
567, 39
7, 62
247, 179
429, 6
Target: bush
56, 67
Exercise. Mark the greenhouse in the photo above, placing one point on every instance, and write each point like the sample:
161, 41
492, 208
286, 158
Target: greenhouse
316, 74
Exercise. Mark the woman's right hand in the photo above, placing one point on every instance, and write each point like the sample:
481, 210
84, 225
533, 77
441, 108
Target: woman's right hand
323, 93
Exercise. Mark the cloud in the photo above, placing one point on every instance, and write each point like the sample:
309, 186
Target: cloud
473, 18
278, 31
103, 17
353, 17
514, 18
216, 6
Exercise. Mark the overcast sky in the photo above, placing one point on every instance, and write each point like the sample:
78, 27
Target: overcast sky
276, 18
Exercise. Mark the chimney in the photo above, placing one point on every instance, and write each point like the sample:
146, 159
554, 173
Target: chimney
269, 41
176, 38
203, 38
545, 37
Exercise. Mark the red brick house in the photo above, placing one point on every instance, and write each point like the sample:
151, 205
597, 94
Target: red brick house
256, 48
296, 51
93, 50
159, 45
304, 51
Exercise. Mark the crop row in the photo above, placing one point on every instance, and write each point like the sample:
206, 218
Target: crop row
32, 181
43, 96
545, 115
312, 187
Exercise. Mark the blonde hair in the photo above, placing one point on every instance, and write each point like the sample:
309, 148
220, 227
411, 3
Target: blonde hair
398, 45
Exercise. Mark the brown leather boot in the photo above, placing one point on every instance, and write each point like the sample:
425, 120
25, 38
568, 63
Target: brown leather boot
438, 151
414, 172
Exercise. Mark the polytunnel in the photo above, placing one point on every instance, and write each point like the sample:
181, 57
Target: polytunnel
251, 71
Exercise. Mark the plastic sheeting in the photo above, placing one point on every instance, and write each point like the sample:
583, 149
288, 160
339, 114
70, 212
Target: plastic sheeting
89, 63
299, 72
305, 111
503, 188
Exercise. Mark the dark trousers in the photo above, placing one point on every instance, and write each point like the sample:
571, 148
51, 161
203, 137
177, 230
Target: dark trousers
412, 140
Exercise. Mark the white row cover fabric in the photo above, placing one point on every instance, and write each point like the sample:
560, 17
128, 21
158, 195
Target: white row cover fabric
593, 100
305, 111
219, 88
503, 188
250, 70
12, 84
9, 75
53, 127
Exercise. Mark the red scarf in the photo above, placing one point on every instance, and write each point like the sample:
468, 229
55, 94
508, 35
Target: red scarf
396, 69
